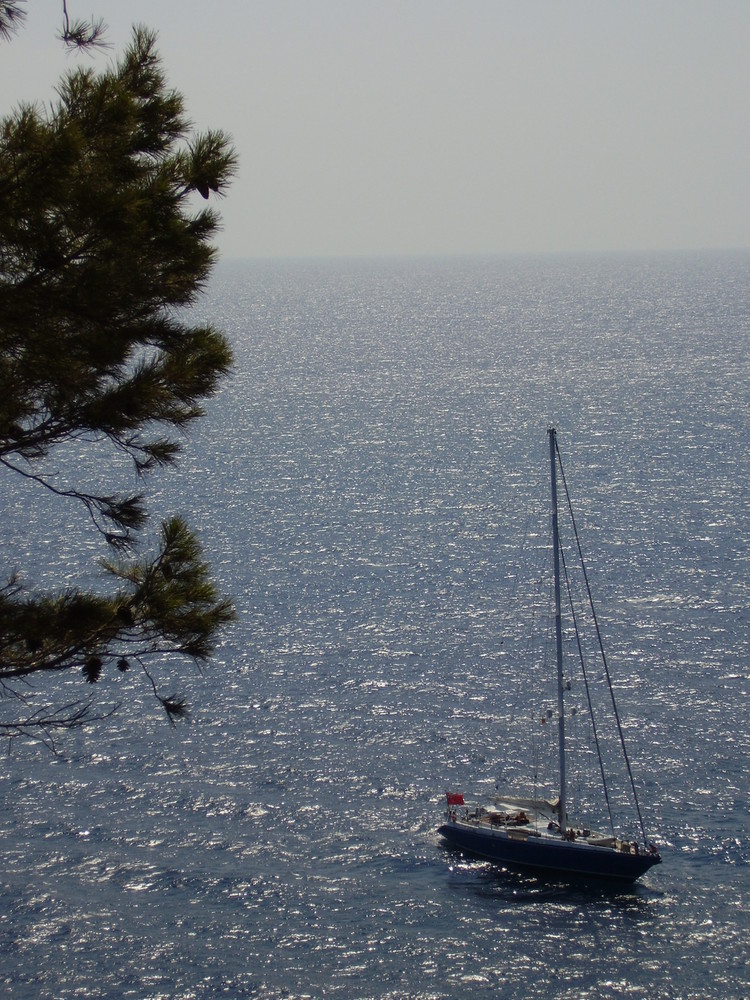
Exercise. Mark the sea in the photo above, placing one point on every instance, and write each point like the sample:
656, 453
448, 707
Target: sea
364, 485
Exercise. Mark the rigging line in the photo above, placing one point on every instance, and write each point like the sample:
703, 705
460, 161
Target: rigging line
586, 686
524, 566
522, 556
530, 653
601, 646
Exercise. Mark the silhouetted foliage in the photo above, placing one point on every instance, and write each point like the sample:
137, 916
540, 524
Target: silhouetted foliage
12, 14
76, 34
101, 241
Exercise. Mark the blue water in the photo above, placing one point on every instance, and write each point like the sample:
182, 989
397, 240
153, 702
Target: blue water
361, 486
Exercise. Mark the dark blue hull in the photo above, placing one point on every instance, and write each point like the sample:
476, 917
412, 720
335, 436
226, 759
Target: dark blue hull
544, 854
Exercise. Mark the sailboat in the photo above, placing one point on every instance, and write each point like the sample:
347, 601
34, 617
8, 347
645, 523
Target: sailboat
537, 833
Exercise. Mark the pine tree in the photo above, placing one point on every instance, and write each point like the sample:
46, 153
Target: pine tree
102, 241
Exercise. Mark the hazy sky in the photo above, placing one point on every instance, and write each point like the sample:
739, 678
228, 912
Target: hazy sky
451, 126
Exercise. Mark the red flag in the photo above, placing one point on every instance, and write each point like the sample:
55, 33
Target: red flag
454, 798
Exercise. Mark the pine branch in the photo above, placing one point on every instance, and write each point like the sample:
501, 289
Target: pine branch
167, 606
41, 725
125, 513
175, 706
100, 245
82, 34
12, 16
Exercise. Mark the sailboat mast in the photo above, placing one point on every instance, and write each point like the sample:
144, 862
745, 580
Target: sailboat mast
558, 624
